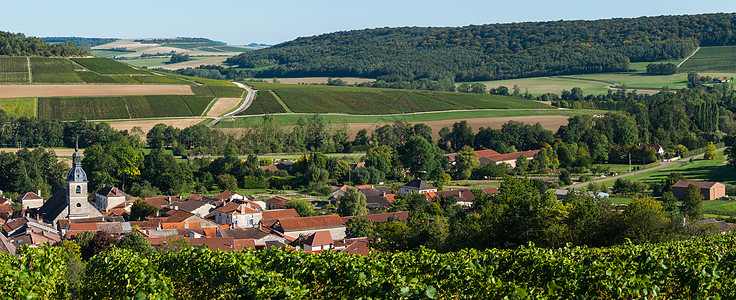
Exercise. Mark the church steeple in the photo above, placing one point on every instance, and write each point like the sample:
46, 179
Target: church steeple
76, 174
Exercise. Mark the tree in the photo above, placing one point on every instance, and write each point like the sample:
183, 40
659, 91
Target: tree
227, 182
565, 177
731, 154
175, 243
646, 221
710, 151
359, 227
381, 158
302, 207
137, 242
693, 203
393, 235
422, 158
465, 161
141, 209
352, 203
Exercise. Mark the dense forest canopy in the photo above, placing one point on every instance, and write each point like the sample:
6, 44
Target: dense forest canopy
81, 41
495, 51
17, 44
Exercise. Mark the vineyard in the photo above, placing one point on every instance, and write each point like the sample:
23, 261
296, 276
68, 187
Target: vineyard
374, 101
97, 108
697, 268
53, 70
264, 103
13, 69
107, 66
720, 58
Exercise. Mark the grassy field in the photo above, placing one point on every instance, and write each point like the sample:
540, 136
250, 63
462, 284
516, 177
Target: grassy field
20, 107
291, 119
107, 66
97, 108
373, 101
700, 169
264, 102
721, 58
541, 85
53, 70
642, 66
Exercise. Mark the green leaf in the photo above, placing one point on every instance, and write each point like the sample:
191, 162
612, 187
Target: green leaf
431, 292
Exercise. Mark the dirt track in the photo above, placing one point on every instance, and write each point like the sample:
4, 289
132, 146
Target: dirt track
223, 105
32, 91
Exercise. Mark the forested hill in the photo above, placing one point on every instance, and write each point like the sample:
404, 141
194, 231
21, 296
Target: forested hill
81, 41
19, 45
496, 51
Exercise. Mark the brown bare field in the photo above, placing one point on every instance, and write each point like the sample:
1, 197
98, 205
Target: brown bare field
550, 122
215, 60
146, 125
223, 105
308, 80
127, 44
59, 152
32, 91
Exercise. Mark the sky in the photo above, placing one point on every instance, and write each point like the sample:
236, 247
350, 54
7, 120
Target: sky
272, 22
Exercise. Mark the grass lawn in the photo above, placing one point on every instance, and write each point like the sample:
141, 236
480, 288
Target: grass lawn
620, 200
720, 207
20, 107
541, 85
291, 119
700, 169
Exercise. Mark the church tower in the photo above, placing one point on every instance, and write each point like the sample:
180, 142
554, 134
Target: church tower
76, 188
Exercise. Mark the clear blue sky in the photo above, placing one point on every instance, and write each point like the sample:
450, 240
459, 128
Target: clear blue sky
271, 22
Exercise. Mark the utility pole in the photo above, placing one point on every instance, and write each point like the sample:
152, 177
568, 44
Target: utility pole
629, 162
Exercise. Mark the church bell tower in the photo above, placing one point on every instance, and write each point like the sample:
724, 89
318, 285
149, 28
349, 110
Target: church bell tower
76, 187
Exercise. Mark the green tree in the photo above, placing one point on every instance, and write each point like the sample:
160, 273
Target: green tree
565, 177
303, 207
141, 209
359, 227
352, 203
422, 158
137, 242
227, 182
693, 203
465, 161
393, 235
646, 221
381, 158
710, 151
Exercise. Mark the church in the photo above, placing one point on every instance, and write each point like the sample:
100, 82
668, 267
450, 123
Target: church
70, 202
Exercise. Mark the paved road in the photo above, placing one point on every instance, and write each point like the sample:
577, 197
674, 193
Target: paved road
662, 165
246, 104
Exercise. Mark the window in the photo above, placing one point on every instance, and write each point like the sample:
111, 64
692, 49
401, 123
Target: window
79, 204
79, 189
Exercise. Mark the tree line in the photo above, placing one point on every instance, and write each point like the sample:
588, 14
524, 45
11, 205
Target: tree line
17, 44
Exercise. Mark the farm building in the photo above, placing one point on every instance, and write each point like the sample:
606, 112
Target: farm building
709, 190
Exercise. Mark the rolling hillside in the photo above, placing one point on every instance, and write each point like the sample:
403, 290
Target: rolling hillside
496, 51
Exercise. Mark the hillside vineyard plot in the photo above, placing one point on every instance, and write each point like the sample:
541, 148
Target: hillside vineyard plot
712, 59
107, 66
97, 108
373, 101
13, 69
264, 103
54, 70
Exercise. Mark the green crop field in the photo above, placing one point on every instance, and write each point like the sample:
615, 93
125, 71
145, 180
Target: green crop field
197, 104
53, 70
218, 91
642, 66
720, 207
264, 103
373, 101
107, 66
291, 119
720, 58
13, 69
19, 107
96, 108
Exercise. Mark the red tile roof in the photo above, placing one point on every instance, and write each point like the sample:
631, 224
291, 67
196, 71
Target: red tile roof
277, 202
490, 190
365, 186
319, 238
272, 168
162, 201
226, 195
280, 214
512, 156
307, 223
245, 244
462, 195
699, 184
234, 208
30, 196
175, 216
222, 243
399, 215
359, 247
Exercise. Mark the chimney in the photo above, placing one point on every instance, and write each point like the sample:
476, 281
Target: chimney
460, 194
39, 193
168, 199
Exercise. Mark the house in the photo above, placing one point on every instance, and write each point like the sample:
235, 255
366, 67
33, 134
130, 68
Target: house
709, 190
229, 196
276, 202
31, 200
383, 217
271, 168
109, 197
185, 218
721, 80
238, 215
162, 201
269, 217
490, 191
200, 207
464, 197
417, 186
377, 197
258, 236
294, 227
357, 246
509, 158
657, 148
6, 246
479, 153
71, 201
318, 241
